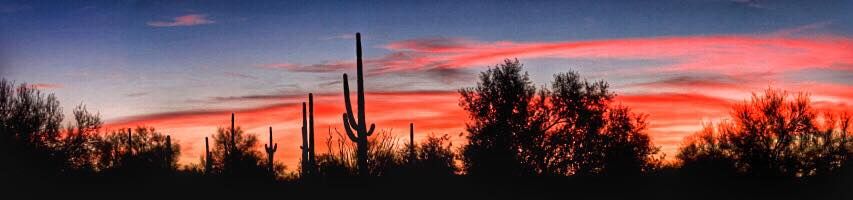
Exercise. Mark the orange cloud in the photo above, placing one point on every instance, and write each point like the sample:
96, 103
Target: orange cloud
672, 116
431, 111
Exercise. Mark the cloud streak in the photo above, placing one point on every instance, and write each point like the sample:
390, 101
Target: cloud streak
46, 86
725, 54
184, 20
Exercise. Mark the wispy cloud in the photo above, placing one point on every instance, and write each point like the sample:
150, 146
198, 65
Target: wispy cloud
724, 54
136, 94
801, 29
45, 86
313, 68
185, 20
347, 36
13, 8
240, 75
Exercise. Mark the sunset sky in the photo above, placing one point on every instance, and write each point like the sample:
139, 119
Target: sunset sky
184, 66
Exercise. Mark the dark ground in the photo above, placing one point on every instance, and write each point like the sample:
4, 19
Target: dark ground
458, 187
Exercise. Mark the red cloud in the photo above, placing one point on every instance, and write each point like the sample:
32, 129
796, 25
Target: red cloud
185, 20
720, 54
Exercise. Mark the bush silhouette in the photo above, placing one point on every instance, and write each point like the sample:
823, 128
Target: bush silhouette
434, 157
149, 153
234, 155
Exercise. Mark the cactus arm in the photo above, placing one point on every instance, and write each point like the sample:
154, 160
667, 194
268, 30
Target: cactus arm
370, 132
352, 136
348, 104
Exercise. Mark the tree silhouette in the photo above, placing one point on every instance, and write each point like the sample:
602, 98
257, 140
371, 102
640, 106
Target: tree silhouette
706, 154
571, 129
149, 153
32, 137
235, 156
499, 107
773, 135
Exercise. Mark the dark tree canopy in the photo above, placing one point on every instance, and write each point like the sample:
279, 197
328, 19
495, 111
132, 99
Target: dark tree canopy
571, 129
499, 107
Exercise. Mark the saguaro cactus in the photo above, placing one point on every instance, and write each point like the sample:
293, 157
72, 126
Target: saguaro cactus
208, 164
233, 136
411, 142
129, 142
169, 151
270, 148
308, 160
351, 123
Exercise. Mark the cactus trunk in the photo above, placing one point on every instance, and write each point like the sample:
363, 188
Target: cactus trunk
129, 142
308, 155
311, 159
207, 156
411, 143
349, 118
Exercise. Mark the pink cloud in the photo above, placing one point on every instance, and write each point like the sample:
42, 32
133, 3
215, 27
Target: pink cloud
185, 20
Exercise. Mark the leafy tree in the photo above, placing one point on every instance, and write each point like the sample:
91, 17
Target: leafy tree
500, 127
30, 138
591, 136
571, 129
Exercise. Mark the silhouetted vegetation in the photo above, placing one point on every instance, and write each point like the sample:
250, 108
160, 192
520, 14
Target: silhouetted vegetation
522, 138
772, 135
571, 129
235, 156
148, 153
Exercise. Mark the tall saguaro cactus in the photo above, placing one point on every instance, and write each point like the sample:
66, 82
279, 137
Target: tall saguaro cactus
359, 124
270, 148
308, 155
